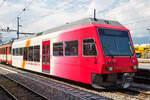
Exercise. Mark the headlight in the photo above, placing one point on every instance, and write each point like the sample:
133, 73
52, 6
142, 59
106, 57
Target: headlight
135, 67
110, 68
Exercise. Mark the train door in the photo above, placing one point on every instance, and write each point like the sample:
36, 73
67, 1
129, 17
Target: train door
46, 56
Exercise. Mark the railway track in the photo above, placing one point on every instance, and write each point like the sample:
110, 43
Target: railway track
5, 94
134, 93
50, 89
87, 91
18, 91
143, 76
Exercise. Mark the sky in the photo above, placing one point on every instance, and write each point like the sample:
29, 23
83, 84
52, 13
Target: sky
40, 15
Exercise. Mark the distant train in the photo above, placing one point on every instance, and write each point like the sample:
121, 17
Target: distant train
92, 51
5, 53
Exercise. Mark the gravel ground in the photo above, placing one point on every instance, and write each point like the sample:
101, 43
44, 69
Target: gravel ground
109, 94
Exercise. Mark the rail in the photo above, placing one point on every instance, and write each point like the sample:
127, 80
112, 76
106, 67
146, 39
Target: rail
13, 87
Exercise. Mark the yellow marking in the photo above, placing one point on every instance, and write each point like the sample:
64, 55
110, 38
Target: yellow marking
28, 43
23, 64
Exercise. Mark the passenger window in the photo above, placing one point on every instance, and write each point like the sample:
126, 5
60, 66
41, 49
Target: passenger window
16, 51
44, 56
25, 53
3, 50
58, 49
10, 50
71, 48
89, 47
37, 53
20, 51
48, 54
30, 54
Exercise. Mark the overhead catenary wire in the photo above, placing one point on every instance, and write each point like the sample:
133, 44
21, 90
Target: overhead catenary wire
24, 9
3, 1
52, 13
13, 20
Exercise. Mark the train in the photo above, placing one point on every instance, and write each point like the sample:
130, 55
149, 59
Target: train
91, 51
5, 53
142, 52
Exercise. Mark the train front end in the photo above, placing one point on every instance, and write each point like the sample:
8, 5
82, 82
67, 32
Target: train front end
118, 60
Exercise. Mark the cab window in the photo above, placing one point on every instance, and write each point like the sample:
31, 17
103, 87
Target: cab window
89, 47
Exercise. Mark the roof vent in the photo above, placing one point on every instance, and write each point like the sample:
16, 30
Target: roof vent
38, 34
107, 22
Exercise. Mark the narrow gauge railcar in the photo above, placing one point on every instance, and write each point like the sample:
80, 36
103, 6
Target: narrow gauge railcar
5, 53
92, 51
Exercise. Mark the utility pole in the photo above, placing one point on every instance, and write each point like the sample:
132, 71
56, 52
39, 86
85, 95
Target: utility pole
0, 38
95, 14
18, 18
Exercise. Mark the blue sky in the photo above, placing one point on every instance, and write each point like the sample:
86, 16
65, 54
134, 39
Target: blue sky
45, 14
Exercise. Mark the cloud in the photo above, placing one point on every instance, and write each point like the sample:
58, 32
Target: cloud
99, 5
126, 12
57, 16
45, 14
65, 11
132, 14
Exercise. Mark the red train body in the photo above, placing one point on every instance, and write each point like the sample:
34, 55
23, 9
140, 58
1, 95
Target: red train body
91, 51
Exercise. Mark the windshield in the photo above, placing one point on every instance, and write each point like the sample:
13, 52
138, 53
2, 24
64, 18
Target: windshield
115, 42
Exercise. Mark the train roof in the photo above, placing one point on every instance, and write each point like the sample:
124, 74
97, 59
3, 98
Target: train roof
81, 22
76, 23
6, 44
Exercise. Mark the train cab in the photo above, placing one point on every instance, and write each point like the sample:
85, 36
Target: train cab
119, 59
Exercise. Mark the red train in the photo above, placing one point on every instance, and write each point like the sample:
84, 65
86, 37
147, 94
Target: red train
5, 53
92, 51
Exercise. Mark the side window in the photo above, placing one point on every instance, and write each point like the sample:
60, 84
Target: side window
9, 50
30, 54
48, 54
58, 49
14, 52
4, 50
89, 47
71, 48
37, 53
25, 53
44, 56
20, 51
